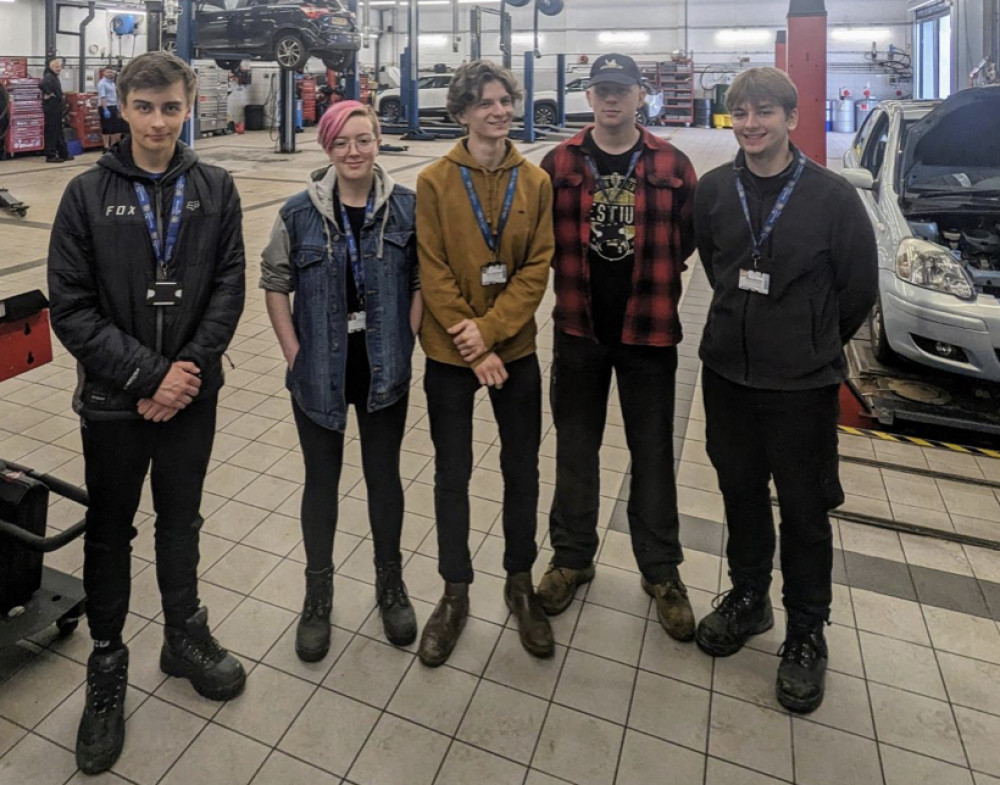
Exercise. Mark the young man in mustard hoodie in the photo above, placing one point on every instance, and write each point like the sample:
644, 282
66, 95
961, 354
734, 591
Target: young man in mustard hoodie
485, 243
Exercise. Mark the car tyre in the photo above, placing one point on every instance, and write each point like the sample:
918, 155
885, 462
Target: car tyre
391, 109
337, 61
642, 116
290, 52
169, 43
228, 65
880, 342
545, 114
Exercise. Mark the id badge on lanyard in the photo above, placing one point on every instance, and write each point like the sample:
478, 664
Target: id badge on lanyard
494, 272
754, 280
163, 292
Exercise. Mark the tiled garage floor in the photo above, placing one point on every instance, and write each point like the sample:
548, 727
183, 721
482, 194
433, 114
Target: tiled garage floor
913, 696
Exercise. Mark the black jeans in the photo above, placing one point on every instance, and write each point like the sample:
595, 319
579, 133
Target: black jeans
323, 451
118, 453
581, 380
55, 141
517, 406
754, 435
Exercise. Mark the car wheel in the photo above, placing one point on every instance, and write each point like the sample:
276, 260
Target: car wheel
391, 110
228, 65
880, 343
338, 61
290, 52
642, 116
169, 43
545, 114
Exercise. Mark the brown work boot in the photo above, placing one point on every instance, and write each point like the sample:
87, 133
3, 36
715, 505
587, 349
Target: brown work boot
532, 624
673, 607
445, 625
558, 586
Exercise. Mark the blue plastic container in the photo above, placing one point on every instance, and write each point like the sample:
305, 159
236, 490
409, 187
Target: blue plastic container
74, 147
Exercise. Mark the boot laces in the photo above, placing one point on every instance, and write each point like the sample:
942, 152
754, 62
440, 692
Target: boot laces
737, 600
106, 688
205, 650
318, 600
392, 589
801, 647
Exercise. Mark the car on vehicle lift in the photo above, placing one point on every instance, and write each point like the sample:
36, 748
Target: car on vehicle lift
434, 97
288, 32
929, 175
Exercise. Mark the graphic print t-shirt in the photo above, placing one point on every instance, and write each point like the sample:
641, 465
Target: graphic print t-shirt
612, 240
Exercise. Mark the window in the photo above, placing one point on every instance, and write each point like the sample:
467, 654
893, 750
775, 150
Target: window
874, 155
933, 37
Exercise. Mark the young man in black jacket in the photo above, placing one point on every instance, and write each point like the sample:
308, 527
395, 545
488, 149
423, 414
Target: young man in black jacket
146, 282
791, 256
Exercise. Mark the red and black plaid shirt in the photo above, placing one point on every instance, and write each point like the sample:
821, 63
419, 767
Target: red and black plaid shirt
664, 238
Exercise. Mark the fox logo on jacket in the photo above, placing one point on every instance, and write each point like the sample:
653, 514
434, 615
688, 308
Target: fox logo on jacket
119, 209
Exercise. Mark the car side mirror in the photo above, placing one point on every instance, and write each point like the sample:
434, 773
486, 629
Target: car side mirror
859, 178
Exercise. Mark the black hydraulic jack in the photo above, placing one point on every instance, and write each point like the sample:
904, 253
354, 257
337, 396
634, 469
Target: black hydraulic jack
10, 202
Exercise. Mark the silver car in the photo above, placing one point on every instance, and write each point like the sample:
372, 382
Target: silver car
929, 175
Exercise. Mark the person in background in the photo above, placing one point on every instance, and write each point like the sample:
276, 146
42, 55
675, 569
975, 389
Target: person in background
791, 256
111, 122
146, 282
484, 238
53, 108
345, 248
631, 194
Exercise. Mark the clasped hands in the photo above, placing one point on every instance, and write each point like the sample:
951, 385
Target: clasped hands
470, 344
177, 390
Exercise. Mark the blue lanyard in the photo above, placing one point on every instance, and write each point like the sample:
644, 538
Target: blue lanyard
492, 238
776, 211
597, 176
163, 250
357, 266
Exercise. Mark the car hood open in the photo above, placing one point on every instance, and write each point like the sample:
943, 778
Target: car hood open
963, 131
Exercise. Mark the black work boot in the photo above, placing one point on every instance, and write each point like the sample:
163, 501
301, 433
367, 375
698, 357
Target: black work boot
190, 652
444, 625
398, 619
101, 735
802, 673
740, 613
312, 636
532, 623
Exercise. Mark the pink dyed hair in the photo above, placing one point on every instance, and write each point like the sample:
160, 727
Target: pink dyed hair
334, 119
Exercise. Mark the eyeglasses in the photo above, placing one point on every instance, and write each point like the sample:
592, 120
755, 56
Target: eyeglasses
363, 144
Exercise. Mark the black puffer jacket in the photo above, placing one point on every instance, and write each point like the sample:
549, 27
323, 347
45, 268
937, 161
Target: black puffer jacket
101, 264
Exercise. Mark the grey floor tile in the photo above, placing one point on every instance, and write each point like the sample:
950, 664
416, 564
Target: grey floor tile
512, 666
434, 697
971, 683
902, 767
36, 761
824, 756
980, 733
916, 723
503, 721
399, 751
963, 634
642, 756
596, 686
667, 657
269, 704
901, 664
40, 685
253, 628
158, 734
671, 710
701, 535
330, 731
578, 747
218, 756
992, 593
752, 736
879, 575
11, 734
608, 633
281, 769
369, 671
947, 590
465, 764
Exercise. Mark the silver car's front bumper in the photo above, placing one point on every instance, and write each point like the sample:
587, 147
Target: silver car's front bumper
909, 310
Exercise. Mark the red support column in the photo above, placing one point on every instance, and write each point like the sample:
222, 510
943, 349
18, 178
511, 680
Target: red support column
807, 68
781, 51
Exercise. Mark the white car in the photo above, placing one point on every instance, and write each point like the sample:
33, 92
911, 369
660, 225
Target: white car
577, 107
434, 99
929, 174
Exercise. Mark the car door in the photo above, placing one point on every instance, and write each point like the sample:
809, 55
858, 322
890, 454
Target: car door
213, 20
434, 97
874, 157
576, 98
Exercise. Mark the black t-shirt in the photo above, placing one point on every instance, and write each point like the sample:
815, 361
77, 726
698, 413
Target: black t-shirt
611, 256
763, 193
358, 376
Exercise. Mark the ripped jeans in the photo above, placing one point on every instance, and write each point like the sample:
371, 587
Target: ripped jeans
755, 435
117, 456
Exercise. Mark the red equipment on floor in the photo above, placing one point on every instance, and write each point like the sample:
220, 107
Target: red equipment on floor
85, 118
26, 132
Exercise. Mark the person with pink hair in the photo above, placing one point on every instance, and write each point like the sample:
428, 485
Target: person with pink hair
341, 289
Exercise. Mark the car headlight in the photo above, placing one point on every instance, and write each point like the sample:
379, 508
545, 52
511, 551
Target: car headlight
932, 267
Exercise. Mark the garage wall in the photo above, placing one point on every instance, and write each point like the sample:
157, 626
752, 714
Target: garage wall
669, 25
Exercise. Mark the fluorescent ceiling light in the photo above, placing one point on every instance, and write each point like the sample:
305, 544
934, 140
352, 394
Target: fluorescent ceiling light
433, 40
623, 37
745, 36
527, 39
861, 34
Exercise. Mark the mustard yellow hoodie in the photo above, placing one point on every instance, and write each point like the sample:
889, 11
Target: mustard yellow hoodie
452, 252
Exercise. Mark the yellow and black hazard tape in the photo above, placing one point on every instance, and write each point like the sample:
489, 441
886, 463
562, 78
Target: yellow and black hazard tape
895, 437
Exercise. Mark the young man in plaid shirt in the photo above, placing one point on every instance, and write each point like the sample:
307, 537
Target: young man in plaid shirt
623, 211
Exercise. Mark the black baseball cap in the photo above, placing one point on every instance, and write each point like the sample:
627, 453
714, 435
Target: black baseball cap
616, 69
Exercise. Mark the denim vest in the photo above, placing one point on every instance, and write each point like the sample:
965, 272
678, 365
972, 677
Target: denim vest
317, 378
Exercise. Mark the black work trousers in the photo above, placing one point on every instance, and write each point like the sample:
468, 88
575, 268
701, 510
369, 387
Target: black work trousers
118, 454
55, 141
754, 435
581, 382
381, 435
517, 407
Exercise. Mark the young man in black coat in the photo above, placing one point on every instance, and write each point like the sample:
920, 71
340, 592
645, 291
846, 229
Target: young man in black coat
146, 282
791, 256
